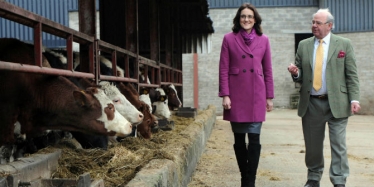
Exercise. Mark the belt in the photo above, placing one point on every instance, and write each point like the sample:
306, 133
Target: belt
319, 96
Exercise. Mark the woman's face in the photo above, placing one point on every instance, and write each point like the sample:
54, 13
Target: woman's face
247, 19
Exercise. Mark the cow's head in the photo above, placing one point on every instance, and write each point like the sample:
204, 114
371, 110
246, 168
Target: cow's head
121, 103
161, 104
108, 117
173, 99
145, 128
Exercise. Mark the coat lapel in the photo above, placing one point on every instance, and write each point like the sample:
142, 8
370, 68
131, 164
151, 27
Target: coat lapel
239, 39
254, 43
310, 50
332, 47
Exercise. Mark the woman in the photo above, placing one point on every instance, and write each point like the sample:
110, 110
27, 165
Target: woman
246, 86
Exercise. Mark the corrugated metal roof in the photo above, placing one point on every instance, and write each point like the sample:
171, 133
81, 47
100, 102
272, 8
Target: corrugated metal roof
260, 3
352, 15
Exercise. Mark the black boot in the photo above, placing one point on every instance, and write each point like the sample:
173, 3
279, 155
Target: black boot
254, 151
241, 157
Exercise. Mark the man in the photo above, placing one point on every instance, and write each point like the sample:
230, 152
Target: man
329, 94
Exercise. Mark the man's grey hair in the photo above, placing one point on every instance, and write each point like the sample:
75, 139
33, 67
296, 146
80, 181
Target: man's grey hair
330, 17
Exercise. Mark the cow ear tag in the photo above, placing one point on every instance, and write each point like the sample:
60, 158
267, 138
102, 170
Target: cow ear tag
162, 98
145, 91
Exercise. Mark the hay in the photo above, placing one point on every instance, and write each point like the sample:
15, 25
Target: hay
120, 163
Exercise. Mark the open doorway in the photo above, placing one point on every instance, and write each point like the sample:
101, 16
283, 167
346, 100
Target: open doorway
299, 37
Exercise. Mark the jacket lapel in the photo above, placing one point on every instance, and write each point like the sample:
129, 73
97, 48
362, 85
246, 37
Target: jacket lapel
239, 39
310, 50
332, 47
254, 43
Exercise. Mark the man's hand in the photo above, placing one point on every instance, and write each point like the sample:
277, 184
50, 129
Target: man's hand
355, 107
293, 69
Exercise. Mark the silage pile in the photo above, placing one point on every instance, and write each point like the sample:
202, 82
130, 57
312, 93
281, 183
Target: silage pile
120, 163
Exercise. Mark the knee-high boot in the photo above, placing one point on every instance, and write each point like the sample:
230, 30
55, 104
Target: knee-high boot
254, 151
241, 157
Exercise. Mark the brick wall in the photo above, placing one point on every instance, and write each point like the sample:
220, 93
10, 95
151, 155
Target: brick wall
280, 24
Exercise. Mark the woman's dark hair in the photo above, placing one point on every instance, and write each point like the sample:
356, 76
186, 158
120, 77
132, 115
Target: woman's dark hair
236, 20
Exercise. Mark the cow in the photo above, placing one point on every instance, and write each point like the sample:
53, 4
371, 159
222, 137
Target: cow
145, 95
144, 128
40, 102
121, 103
57, 58
107, 69
173, 99
141, 75
26, 48
159, 101
161, 104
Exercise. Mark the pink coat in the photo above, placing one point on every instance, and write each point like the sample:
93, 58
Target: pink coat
245, 74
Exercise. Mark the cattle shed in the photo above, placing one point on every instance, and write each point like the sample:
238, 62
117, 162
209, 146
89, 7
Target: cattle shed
134, 34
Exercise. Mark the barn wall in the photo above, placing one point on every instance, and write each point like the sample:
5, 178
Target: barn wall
280, 24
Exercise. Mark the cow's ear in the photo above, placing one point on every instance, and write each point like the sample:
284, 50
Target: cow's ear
145, 91
157, 95
165, 88
119, 74
81, 98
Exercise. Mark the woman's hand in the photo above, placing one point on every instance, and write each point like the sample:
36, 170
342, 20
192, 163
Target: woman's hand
226, 102
269, 105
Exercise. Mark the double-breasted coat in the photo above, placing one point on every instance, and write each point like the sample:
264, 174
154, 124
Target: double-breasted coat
246, 76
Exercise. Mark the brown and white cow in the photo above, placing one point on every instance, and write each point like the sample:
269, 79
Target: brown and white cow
144, 128
121, 103
40, 102
173, 99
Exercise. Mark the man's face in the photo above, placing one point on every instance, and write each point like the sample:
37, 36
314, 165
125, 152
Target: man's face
320, 27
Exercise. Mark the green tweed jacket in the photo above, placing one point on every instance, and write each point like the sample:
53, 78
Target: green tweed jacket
341, 75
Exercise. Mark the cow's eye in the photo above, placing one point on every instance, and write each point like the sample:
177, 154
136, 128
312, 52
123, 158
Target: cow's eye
116, 101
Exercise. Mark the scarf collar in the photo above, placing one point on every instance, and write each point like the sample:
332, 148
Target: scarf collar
248, 37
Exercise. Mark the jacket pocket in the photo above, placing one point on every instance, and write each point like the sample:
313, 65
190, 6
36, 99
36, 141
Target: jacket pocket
234, 71
343, 89
260, 72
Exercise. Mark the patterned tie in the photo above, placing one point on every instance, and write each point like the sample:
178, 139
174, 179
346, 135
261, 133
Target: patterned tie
317, 81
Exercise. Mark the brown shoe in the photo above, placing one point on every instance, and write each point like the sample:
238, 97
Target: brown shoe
312, 183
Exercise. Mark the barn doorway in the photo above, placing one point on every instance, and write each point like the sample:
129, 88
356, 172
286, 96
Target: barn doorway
299, 37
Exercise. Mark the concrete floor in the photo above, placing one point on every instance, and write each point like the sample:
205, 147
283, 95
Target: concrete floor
282, 156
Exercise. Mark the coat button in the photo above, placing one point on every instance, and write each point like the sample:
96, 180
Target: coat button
251, 55
243, 56
244, 70
251, 70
